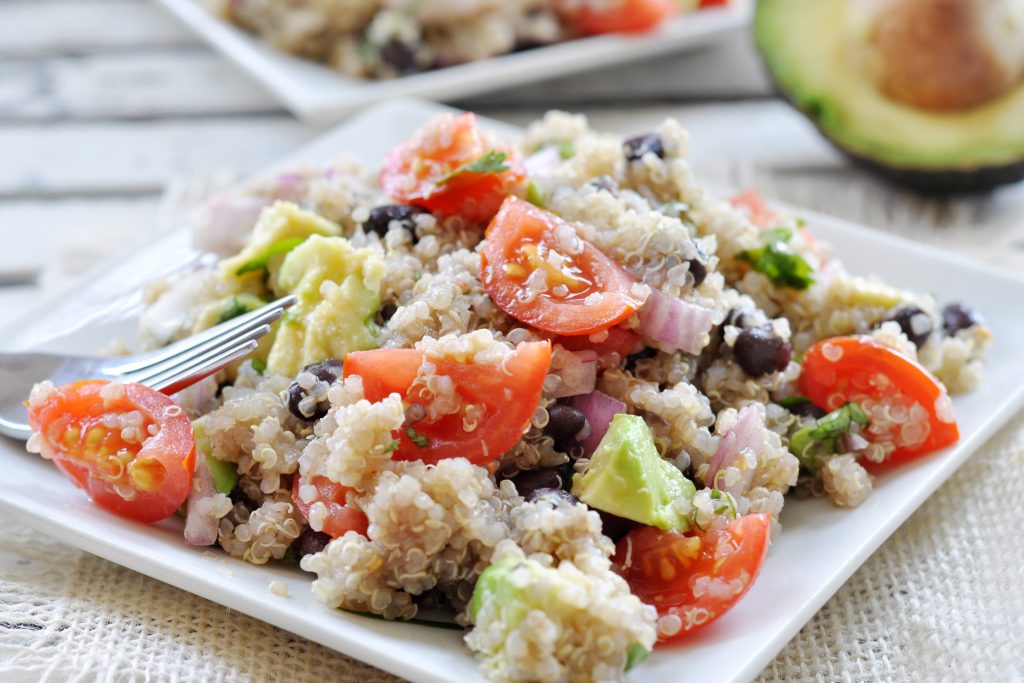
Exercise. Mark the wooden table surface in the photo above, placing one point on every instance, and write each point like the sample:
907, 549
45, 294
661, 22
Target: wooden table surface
111, 115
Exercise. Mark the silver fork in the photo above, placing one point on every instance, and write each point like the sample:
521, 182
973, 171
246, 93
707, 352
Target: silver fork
169, 369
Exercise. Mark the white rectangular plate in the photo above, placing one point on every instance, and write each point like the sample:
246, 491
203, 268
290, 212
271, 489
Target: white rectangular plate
317, 93
820, 546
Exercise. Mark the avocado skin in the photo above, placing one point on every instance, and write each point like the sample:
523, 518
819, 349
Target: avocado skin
924, 181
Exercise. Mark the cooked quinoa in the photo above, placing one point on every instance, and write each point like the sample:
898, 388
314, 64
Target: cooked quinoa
375, 465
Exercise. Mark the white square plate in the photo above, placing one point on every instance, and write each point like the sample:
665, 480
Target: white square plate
317, 93
820, 546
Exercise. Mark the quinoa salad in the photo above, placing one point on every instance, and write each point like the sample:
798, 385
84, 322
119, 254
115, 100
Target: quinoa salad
551, 389
376, 39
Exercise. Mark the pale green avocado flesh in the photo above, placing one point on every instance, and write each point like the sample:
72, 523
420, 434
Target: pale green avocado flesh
807, 47
628, 478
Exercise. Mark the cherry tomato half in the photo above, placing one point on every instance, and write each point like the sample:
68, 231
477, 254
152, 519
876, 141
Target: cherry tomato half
340, 517
496, 401
433, 169
693, 578
538, 270
909, 411
130, 447
628, 16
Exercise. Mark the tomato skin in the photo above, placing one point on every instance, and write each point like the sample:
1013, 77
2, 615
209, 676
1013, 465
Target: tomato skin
519, 226
852, 376
662, 567
158, 473
411, 172
631, 16
340, 516
509, 395
619, 340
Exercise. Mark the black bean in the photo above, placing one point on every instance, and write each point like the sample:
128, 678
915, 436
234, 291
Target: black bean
311, 542
959, 316
387, 311
553, 495
914, 322
613, 526
699, 265
381, 217
400, 56
636, 148
737, 317
564, 422
807, 409
759, 351
330, 371
631, 359
533, 480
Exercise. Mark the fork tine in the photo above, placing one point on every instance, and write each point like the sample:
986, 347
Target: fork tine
196, 354
174, 382
214, 337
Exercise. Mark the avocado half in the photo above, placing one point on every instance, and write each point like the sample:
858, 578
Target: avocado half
805, 48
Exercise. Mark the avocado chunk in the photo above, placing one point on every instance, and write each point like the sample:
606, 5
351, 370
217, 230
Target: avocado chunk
224, 473
825, 58
337, 290
627, 477
282, 226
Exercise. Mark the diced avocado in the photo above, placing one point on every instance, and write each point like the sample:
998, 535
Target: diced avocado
497, 584
282, 226
849, 291
229, 307
327, 321
822, 438
627, 477
823, 56
225, 474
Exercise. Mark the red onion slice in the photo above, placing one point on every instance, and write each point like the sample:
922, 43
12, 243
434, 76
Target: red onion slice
599, 409
579, 376
543, 161
672, 324
200, 525
746, 435
222, 225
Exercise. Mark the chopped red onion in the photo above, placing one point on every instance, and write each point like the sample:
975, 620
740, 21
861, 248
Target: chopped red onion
579, 376
853, 442
543, 161
200, 526
222, 225
599, 408
672, 324
747, 435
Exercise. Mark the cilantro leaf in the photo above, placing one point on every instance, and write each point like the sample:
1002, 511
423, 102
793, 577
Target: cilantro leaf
260, 262
393, 446
783, 266
635, 655
492, 162
417, 438
822, 438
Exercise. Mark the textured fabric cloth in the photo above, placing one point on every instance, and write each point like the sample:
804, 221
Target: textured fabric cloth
941, 600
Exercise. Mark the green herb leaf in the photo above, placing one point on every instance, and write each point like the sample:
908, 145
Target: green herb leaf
783, 266
417, 438
635, 655
260, 262
822, 438
534, 194
791, 402
567, 150
492, 162
240, 305
259, 366
393, 446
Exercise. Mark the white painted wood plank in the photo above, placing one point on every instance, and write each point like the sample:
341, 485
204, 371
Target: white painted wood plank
47, 27
137, 157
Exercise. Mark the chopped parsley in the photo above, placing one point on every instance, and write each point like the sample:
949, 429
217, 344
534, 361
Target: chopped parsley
822, 438
417, 438
492, 162
392, 447
728, 503
783, 266
260, 262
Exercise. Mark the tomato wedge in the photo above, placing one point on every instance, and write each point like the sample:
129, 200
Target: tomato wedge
693, 578
629, 16
128, 446
451, 167
496, 401
619, 340
540, 272
340, 517
909, 411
